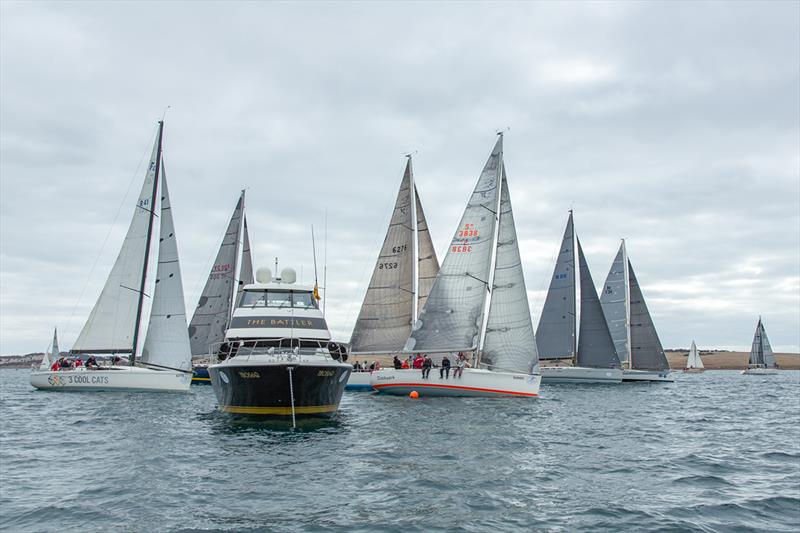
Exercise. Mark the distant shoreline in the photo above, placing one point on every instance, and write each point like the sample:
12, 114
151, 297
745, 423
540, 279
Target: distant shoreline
712, 360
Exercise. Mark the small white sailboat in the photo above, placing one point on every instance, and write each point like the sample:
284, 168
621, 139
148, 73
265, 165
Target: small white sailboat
635, 337
114, 325
401, 281
762, 359
214, 309
694, 364
477, 304
571, 331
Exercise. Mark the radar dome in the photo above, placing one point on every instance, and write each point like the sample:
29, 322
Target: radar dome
263, 275
288, 275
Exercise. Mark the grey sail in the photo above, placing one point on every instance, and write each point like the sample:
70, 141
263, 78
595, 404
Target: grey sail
595, 346
453, 315
509, 343
761, 353
386, 315
427, 263
556, 333
167, 342
213, 310
614, 301
112, 326
246, 269
647, 352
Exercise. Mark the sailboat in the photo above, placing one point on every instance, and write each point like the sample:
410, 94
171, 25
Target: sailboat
635, 338
401, 281
477, 304
694, 364
114, 325
762, 359
577, 332
51, 355
214, 309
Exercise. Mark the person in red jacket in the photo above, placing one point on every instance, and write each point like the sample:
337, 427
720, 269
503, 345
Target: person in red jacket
54, 367
418, 361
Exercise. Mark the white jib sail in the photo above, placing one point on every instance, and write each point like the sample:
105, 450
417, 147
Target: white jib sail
111, 324
453, 314
167, 341
509, 343
51, 355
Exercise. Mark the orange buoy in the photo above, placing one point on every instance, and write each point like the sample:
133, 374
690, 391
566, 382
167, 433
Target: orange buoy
414, 394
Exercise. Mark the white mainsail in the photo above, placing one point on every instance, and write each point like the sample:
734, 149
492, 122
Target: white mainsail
694, 360
509, 343
556, 334
213, 312
387, 312
51, 355
112, 326
453, 315
166, 343
246, 270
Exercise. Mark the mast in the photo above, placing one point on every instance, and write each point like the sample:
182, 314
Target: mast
414, 245
140, 304
493, 262
626, 271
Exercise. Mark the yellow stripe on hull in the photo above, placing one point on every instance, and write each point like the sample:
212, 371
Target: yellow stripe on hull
300, 410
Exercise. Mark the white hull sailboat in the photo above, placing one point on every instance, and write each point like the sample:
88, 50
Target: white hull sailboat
401, 281
632, 330
762, 359
114, 324
473, 382
477, 305
694, 364
573, 326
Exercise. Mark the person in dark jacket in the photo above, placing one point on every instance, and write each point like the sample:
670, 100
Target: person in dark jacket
444, 371
397, 363
427, 364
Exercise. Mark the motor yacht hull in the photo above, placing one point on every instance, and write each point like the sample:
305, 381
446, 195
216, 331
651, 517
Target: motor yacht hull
279, 390
647, 375
578, 374
473, 382
200, 375
129, 378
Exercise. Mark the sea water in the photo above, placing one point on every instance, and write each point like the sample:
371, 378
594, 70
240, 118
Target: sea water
711, 452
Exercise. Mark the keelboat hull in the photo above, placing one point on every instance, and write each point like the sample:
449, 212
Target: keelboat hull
279, 390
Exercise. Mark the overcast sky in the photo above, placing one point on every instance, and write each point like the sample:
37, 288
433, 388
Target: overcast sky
675, 125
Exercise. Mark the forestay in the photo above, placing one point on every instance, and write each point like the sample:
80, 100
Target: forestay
509, 343
112, 323
646, 349
211, 317
595, 346
453, 315
555, 334
386, 315
614, 301
167, 341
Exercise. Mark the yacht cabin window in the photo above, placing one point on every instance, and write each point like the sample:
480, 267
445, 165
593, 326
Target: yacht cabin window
278, 298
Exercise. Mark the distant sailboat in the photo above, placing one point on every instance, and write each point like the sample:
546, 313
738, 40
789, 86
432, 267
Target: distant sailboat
400, 283
51, 355
215, 306
115, 322
477, 304
762, 359
694, 364
635, 338
567, 330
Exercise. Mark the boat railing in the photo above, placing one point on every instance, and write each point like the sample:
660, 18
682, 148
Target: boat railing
287, 349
